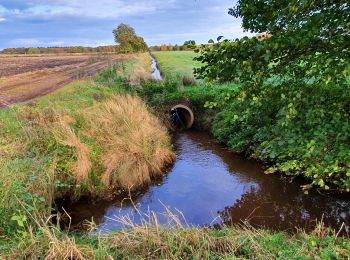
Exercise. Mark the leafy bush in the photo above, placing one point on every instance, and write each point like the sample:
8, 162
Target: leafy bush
303, 131
293, 106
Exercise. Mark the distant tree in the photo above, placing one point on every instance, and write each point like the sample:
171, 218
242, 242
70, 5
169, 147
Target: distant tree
155, 48
128, 40
190, 44
33, 51
170, 47
163, 48
59, 50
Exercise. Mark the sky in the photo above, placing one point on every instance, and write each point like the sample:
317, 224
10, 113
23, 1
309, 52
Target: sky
35, 23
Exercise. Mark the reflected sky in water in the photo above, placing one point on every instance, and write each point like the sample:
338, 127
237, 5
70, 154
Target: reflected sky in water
210, 185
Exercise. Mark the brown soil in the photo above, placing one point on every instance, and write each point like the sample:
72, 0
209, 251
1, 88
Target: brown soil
23, 78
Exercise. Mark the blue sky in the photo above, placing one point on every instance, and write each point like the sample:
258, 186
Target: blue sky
90, 23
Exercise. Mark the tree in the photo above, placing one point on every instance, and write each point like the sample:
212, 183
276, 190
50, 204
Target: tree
128, 40
191, 44
33, 51
305, 37
292, 105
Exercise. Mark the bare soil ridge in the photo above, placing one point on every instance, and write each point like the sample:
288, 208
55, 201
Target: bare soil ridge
25, 78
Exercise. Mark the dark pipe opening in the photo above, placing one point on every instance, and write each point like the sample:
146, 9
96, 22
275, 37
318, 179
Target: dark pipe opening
181, 117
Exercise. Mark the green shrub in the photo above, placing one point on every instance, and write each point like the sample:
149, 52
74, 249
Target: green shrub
301, 130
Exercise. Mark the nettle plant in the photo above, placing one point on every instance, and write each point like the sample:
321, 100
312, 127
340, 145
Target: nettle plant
294, 103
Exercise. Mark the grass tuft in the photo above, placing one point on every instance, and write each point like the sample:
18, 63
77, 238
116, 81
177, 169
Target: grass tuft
135, 144
65, 135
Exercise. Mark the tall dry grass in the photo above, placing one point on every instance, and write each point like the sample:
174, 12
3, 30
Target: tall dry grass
136, 146
114, 144
133, 145
141, 70
175, 240
65, 135
139, 75
50, 244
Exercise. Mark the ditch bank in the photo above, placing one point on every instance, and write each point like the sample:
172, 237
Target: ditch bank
210, 185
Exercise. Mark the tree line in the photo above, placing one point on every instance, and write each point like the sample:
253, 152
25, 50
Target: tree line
60, 50
187, 46
127, 41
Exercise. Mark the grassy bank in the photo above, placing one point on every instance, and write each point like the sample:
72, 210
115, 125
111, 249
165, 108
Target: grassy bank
85, 139
154, 242
177, 65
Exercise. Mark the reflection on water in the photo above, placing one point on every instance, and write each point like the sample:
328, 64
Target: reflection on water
211, 185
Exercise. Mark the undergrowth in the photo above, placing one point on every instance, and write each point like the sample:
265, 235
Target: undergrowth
151, 241
302, 131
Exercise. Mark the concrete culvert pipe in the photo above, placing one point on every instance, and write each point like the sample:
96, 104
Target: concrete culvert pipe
181, 117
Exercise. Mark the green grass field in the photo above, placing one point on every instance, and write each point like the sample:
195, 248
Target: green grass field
175, 64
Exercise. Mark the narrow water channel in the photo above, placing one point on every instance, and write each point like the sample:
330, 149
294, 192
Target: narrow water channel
156, 72
211, 185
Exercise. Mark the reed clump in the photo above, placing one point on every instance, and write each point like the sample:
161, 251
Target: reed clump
87, 138
113, 145
136, 147
116, 143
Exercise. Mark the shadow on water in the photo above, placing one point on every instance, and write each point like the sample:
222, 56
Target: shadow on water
211, 185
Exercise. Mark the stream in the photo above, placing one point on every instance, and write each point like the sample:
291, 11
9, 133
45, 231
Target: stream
211, 186
156, 72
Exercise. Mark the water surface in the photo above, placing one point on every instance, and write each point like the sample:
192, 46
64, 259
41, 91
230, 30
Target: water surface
212, 186
156, 72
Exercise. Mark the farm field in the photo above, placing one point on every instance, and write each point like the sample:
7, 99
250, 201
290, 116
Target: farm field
23, 78
176, 63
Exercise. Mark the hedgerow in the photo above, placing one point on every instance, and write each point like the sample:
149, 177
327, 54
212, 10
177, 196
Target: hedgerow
293, 106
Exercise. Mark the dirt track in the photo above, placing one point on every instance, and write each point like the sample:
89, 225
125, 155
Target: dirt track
24, 78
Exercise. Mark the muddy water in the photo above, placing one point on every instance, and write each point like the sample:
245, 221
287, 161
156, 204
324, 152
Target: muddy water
211, 185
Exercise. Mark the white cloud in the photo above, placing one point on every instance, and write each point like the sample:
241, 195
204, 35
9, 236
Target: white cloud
103, 9
90, 22
228, 30
2, 9
26, 42
2, 19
